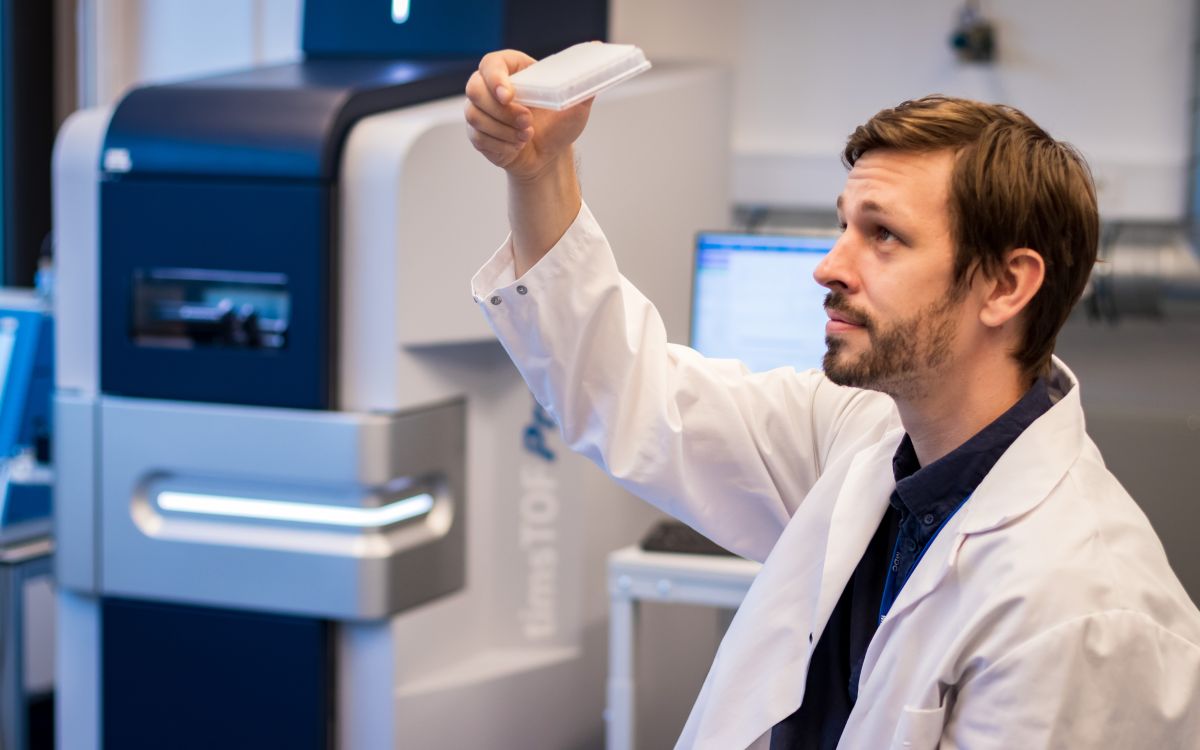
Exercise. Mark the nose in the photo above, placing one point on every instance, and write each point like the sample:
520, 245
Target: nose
835, 271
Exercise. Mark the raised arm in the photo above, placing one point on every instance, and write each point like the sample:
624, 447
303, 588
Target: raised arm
534, 148
731, 453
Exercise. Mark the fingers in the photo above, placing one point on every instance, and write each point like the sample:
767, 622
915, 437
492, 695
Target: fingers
490, 88
497, 127
496, 67
485, 123
498, 151
513, 115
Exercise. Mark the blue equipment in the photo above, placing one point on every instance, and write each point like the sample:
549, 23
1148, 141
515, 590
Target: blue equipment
26, 383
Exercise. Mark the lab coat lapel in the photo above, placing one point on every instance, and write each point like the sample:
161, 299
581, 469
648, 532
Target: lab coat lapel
860, 506
931, 570
793, 596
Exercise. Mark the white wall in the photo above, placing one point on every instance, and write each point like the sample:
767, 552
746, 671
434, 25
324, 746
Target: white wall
1111, 76
129, 42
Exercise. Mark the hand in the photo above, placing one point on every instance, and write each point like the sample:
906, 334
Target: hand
525, 143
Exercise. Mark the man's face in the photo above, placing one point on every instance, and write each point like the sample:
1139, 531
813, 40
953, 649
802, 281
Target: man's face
895, 317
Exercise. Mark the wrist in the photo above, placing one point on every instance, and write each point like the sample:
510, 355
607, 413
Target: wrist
558, 171
542, 208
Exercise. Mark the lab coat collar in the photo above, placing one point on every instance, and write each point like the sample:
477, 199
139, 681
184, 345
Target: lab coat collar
1023, 477
1034, 463
1020, 480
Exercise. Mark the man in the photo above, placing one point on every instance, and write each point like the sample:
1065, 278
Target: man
947, 561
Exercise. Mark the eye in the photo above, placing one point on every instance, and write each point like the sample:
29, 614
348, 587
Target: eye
883, 234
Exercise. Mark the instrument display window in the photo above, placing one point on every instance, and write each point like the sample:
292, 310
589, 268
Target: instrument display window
187, 308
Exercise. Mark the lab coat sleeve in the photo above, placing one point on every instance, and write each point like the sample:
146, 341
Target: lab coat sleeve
729, 452
1108, 680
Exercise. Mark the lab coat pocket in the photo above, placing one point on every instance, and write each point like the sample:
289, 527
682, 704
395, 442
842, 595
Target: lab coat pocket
919, 728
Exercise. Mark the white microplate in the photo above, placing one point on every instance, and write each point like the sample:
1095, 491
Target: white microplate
566, 78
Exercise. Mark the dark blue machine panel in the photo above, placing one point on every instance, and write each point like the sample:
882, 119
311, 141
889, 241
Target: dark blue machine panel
284, 121
446, 28
218, 239
193, 678
253, 251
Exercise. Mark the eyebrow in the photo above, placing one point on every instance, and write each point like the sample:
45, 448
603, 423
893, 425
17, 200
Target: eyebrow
875, 208
868, 205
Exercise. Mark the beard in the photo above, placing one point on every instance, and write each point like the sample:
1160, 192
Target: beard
902, 356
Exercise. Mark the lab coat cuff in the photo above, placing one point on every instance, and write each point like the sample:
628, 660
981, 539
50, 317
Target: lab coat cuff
497, 279
499, 271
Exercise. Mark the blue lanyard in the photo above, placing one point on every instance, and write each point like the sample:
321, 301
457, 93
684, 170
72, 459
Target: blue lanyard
889, 583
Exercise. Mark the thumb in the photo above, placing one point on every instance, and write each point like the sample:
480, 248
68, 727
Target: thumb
496, 68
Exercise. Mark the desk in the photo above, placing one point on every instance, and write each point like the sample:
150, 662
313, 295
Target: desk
635, 576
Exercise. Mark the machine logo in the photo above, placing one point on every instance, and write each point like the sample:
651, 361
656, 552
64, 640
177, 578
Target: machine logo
117, 160
400, 11
538, 533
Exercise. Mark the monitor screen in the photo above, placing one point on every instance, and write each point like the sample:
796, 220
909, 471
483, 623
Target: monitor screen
754, 298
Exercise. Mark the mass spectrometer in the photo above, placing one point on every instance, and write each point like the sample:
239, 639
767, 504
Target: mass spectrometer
303, 498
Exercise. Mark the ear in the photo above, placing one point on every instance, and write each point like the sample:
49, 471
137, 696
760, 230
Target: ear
1011, 289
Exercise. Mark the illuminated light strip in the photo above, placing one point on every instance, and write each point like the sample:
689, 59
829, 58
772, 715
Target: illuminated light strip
281, 510
400, 11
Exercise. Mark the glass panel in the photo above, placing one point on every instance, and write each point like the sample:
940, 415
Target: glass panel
186, 308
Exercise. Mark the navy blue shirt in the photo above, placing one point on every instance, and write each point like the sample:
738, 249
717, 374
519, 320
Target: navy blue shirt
923, 500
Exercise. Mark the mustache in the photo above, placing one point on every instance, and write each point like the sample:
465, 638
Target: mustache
836, 302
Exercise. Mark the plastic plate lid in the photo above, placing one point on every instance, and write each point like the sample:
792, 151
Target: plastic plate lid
567, 78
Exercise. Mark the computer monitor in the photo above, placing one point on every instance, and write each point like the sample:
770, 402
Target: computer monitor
754, 298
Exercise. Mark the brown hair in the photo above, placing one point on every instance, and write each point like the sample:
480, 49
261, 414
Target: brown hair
1012, 186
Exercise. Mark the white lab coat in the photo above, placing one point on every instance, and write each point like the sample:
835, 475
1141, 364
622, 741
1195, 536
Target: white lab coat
1044, 615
